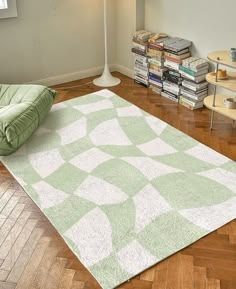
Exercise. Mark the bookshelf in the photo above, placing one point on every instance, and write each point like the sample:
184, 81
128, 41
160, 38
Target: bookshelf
215, 102
219, 105
229, 83
224, 58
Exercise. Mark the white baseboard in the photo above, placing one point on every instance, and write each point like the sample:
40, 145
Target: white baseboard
68, 77
124, 70
81, 74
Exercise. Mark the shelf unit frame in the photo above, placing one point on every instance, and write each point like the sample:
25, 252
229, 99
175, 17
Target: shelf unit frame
219, 57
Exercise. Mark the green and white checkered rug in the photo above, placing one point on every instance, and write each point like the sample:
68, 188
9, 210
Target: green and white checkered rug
124, 189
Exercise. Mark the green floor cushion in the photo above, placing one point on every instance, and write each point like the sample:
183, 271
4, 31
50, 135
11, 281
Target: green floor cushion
22, 109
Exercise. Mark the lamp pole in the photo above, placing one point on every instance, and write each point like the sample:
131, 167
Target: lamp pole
106, 80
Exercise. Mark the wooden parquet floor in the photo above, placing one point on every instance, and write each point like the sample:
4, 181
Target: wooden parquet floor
34, 256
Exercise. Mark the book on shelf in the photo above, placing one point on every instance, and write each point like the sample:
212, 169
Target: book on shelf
169, 95
138, 51
197, 79
154, 79
157, 40
142, 43
179, 57
140, 46
142, 35
154, 52
171, 65
171, 87
193, 73
158, 72
185, 103
140, 58
191, 100
174, 79
156, 46
193, 85
174, 73
196, 96
156, 61
195, 63
154, 76
166, 57
156, 58
141, 66
138, 71
154, 82
141, 76
176, 44
180, 52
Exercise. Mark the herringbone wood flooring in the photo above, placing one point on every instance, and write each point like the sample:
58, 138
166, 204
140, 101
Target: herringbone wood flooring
34, 256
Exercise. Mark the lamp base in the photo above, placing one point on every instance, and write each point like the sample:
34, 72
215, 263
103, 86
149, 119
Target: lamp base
106, 80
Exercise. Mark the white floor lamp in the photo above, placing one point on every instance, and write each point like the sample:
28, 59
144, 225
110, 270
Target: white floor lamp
106, 80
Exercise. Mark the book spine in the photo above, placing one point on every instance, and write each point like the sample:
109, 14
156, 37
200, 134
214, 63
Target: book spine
141, 66
195, 86
141, 72
171, 65
155, 83
179, 57
140, 58
139, 46
187, 70
139, 52
179, 61
181, 52
169, 96
155, 52
174, 73
192, 95
173, 79
190, 106
191, 100
156, 72
155, 61
197, 79
173, 90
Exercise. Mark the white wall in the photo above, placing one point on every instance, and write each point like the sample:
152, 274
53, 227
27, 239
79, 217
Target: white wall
209, 24
54, 37
125, 26
129, 18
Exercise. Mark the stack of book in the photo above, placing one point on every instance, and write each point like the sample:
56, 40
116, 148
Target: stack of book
142, 35
176, 50
194, 86
141, 65
155, 54
171, 84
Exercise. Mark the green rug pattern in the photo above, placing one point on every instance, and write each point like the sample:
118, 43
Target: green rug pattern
124, 189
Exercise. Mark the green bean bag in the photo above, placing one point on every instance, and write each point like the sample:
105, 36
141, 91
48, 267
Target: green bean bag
22, 109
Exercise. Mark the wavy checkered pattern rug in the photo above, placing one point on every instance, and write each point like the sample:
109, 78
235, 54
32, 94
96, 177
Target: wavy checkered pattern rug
124, 189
